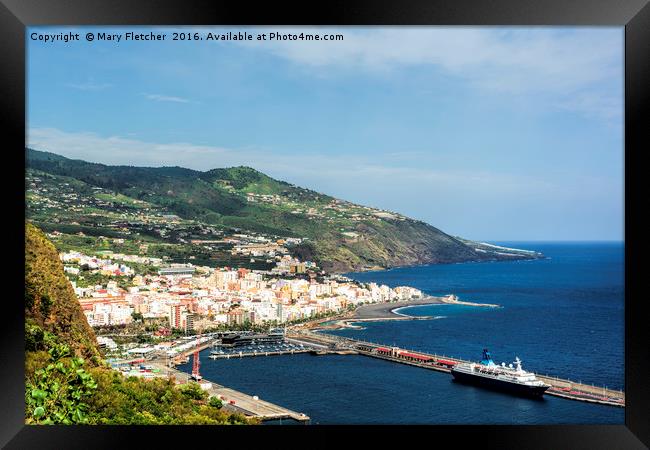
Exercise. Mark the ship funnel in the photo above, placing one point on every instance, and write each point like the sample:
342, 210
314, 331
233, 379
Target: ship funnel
487, 358
518, 363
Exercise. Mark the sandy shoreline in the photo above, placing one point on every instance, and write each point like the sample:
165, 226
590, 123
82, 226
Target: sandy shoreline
375, 312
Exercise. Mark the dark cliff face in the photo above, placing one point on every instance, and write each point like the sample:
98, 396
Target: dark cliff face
408, 242
50, 301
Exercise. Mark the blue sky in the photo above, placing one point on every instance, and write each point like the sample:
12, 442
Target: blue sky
492, 133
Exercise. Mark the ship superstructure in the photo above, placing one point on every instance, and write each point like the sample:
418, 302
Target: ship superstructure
508, 378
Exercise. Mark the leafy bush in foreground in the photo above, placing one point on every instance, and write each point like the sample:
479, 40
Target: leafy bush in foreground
59, 390
57, 393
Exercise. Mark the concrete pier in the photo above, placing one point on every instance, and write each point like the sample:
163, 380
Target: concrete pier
239, 402
248, 354
559, 387
252, 407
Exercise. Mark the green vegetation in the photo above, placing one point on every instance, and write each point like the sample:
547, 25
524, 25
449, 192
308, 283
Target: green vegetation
57, 393
133, 401
215, 402
123, 200
90, 245
342, 236
50, 302
66, 380
59, 390
87, 279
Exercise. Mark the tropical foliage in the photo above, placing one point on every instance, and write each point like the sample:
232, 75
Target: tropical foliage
59, 389
58, 392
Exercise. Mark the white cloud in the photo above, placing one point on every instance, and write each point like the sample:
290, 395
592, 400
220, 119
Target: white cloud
552, 61
123, 151
493, 57
165, 98
307, 169
89, 86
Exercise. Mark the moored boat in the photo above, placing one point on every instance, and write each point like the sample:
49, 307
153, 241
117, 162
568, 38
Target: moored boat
510, 379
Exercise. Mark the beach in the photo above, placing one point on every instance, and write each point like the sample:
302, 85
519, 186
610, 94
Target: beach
385, 311
376, 312
388, 311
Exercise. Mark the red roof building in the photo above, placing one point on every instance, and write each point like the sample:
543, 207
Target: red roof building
415, 356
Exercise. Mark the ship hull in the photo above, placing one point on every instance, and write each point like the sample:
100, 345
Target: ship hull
500, 385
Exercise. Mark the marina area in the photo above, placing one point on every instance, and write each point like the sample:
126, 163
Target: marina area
297, 345
259, 350
318, 344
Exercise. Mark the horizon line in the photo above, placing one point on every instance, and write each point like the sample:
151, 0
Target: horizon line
554, 240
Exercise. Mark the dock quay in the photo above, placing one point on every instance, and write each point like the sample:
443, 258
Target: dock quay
235, 401
199, 348
559, 387
249, 353
293, 347
318, 352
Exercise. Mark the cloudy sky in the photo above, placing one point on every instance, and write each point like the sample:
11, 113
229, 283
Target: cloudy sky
488, 133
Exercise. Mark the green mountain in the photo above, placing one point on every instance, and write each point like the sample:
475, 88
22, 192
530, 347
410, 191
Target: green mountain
341, 236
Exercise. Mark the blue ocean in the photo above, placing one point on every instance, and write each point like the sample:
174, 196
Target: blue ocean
562, 316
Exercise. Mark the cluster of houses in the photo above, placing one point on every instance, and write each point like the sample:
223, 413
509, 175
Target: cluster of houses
75, 261
199, 297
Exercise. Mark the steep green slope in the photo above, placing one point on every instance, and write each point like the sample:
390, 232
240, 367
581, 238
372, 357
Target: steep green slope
50, 301
342, 236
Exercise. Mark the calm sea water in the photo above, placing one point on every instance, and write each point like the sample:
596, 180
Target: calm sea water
563, 316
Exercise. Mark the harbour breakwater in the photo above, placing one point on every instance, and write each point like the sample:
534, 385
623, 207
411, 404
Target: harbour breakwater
453, 300
559, 387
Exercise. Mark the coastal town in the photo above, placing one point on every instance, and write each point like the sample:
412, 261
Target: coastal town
193, 298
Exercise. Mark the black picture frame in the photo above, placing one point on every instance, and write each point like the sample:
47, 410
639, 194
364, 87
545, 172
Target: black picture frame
15, 15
